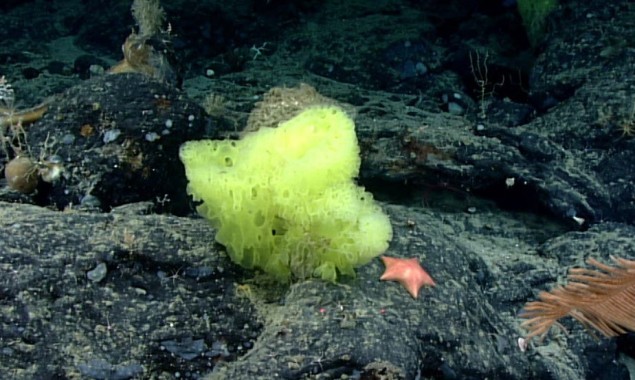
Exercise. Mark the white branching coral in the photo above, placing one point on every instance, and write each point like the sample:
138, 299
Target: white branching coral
149, 16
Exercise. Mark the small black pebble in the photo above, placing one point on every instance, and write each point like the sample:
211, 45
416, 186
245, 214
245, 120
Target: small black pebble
30, 73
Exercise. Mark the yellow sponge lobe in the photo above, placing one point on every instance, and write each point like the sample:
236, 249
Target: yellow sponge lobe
284, 199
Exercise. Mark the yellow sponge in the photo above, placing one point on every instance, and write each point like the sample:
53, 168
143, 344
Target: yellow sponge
284, 199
